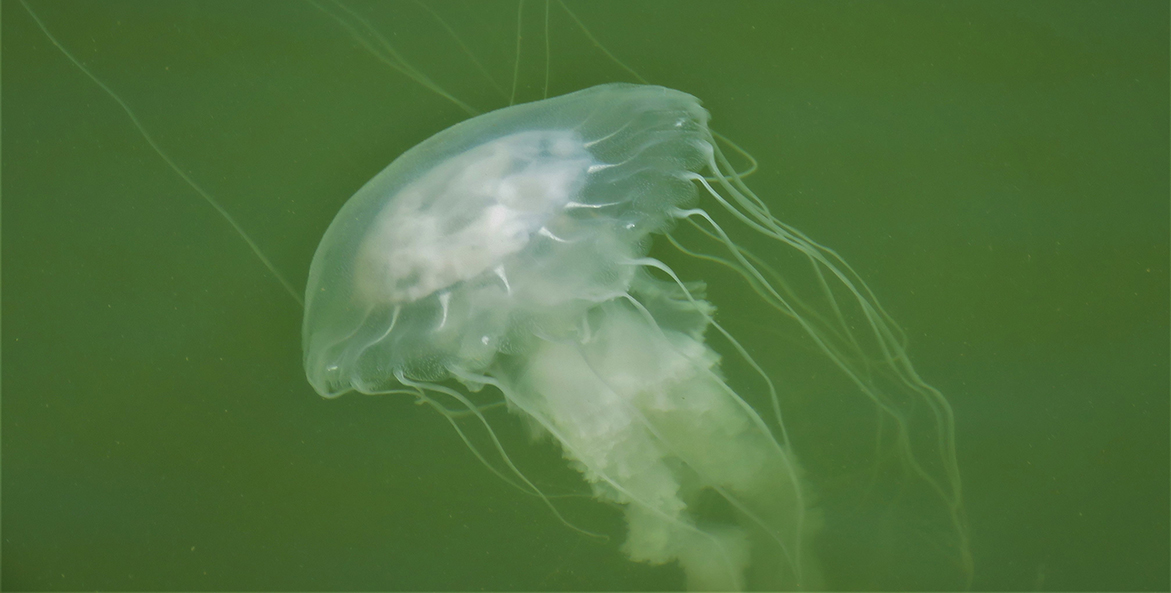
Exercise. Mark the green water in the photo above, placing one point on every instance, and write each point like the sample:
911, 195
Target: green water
998, 173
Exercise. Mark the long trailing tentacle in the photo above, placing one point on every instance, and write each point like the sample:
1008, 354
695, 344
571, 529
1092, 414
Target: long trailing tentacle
378, 46
422, 386
150, 139
744, 205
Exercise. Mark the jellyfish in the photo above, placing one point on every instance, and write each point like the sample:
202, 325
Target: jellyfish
512, 252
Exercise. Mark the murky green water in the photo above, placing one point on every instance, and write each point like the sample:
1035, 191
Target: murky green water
998, 172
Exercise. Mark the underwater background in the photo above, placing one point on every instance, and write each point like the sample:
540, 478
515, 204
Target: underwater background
996, 171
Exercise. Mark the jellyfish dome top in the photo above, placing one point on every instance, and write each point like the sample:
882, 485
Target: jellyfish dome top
511, 250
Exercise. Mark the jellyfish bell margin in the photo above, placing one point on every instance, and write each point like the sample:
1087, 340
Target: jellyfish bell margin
511, 250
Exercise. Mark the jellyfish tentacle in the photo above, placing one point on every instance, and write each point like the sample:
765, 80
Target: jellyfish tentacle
520, 9
892, 337
737, 183
883, 327
745, 406
753, 416
422, 399
791, 557
548, 53
950, 496
728, 496
752, 163
598, 44
423, 385
467, 51
420, 394
481, 408
793, 302
791, 306
387, 54
889, 338
810, 330
772, 390
223, 212
611, 481
873, 394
